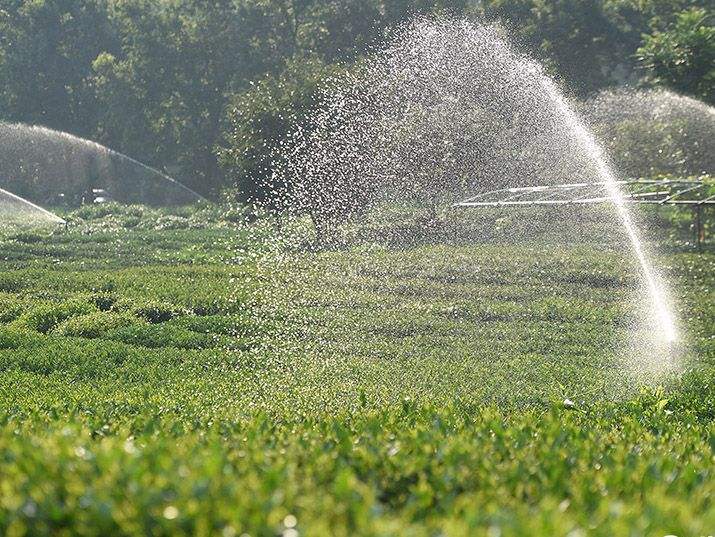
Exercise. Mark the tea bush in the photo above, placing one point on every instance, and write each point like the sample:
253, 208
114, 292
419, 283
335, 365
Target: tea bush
10, 308
45, 317
156, 382
14, 338
95, 325
152, 311
160, 336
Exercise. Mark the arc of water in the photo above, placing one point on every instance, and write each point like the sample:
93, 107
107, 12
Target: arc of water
159, 173
49, 133
50, 216
595, 153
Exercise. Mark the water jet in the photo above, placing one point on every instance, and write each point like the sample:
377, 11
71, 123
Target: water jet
449, 108
57, 168
15, 210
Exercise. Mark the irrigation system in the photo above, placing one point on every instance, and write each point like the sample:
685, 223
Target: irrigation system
689, 193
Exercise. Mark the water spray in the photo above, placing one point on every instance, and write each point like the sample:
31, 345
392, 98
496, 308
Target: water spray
449, 108
59, 165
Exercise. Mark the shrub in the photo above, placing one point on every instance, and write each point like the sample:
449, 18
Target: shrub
101, 210
95, 325
28, 237
104, 301
13, 338
45, 317
152, 311
235, 325
11, 283
239, 214
131, 222
75, 359
171, 222
159, 336
10, 309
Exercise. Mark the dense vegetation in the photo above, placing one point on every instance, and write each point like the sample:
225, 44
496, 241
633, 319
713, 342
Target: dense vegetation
156, 378
215, 370
177, 83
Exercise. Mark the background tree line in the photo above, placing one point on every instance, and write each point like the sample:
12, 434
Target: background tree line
203, 88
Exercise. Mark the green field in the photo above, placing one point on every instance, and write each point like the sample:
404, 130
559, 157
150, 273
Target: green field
158, 377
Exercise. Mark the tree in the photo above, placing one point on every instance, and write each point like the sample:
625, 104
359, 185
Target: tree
580, 41
683, 56
46, 50
153, 78
261, 119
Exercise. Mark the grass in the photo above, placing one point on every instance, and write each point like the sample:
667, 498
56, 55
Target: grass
155, 378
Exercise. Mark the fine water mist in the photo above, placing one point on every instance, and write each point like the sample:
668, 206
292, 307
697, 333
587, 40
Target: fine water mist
15, 211
649, 132
449, 109
56, 168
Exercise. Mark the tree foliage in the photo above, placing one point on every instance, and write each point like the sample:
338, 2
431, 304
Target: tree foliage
261, 117
682, 57
46, 50
155, 78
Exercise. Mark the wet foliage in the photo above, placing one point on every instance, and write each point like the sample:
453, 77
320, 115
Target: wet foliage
157, 381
